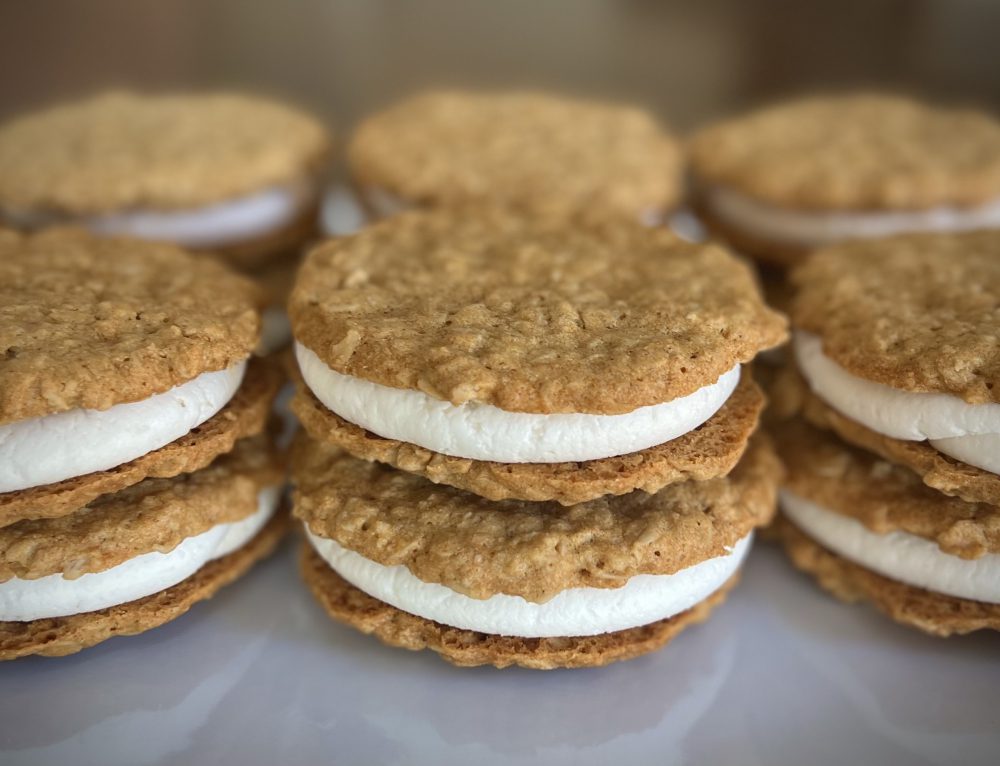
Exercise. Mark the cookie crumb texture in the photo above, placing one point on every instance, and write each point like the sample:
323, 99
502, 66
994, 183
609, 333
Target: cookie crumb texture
529, 150
859, 152
90, 323
933, 613
918, 312
124, 150
883, 496
708, 452
530, 315
466, 648
59, 636
481, 548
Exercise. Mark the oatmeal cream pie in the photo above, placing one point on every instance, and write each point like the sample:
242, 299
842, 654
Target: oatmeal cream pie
532, 151
870, 530
785, 179
119, 360
899, 342
135, 559
513, 583
530, 358
234, 174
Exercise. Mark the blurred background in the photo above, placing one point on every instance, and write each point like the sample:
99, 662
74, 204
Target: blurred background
689, 60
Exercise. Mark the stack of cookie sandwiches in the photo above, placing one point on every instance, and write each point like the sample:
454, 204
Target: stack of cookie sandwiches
233, 175
136, 472
787, 179
527, 440
893, 492
535, 152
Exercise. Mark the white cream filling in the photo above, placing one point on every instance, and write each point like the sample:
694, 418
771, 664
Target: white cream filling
966, 432
574, 612
807, 229
56, 596
51, 448
224, 223
483, 432
897, 555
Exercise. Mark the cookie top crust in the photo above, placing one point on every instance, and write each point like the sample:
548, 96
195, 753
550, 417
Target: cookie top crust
917, 312
883, 496
481, 548
122, 150
529, 314
90, 322
529, 150
854, 152
153, 515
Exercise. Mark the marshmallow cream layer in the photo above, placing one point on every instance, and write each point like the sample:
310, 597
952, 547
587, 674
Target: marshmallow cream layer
807, 229
899, 556
483, 432
63, 445
224, 223
56, 596
644, 599
966, 432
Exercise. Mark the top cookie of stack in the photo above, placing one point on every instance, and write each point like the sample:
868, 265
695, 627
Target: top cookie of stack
536, 152
530, 358
786, 179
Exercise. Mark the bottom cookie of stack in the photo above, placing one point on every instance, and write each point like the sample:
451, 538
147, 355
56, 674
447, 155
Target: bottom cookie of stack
136, 559
868, 530
538, 585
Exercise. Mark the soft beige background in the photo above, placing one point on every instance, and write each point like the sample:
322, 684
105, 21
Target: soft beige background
689, 60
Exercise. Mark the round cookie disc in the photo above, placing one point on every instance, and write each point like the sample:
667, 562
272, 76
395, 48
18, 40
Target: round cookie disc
857, 152
59, 636
710, 451
481, 548
123, 150
89, 323
467, 648
536, 152
246, 414
529, 315
932, 613
915, 312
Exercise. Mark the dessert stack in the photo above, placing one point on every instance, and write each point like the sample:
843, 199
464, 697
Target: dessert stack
137, 476
893, 487
528, 440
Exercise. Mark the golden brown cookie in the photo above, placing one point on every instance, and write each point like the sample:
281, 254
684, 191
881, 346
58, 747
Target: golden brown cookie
153, 515
937, 470
124, 150
59, 636
268, 254
883, 496
775, 255
467, 648
915, 312
709, 451
89, 322
535, 550
933, 613
244, 415
536, 152
529, 315
853, 152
